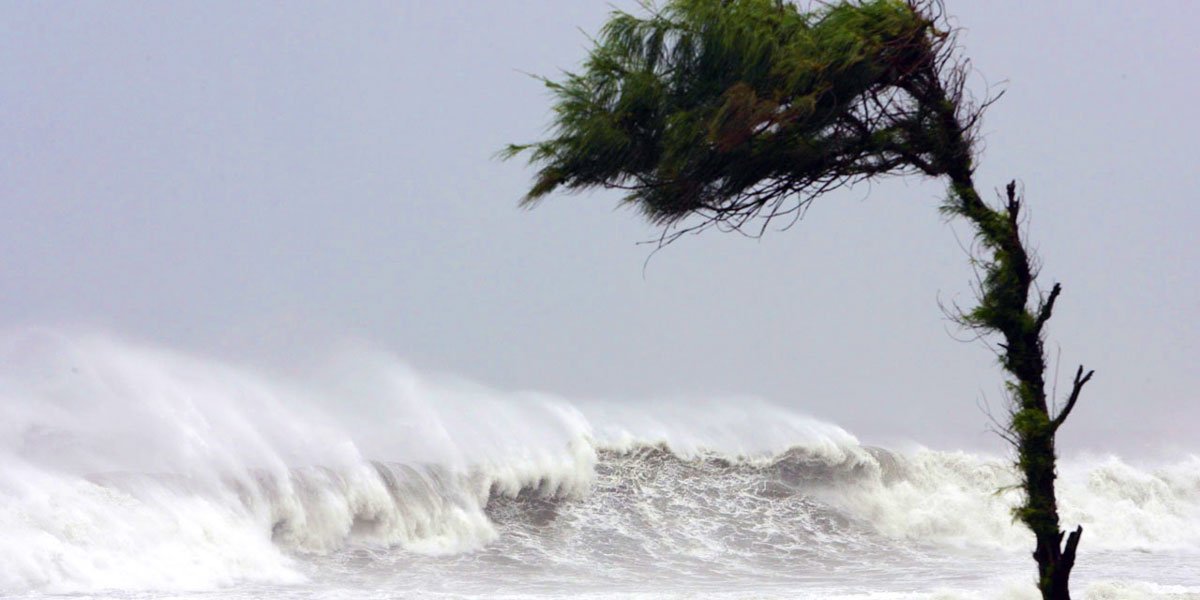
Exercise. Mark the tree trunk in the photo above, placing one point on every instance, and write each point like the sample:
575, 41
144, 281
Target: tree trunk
1004, 309
1054, 566
1040, 513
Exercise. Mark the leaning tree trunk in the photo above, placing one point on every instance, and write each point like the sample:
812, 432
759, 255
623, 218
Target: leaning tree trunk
1004, 309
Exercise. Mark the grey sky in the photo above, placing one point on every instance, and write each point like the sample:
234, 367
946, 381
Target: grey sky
260, 182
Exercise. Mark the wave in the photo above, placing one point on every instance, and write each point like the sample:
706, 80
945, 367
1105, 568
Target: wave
132, 467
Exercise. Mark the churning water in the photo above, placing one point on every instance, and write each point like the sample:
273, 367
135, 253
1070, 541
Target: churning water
134, 472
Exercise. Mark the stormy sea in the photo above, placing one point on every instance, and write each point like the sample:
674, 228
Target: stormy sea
134, 471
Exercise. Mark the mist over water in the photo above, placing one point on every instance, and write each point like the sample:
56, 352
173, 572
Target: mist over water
134, 471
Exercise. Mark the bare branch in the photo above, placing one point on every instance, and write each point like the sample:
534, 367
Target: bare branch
1005, 432
1068, 555
1013, 204
1076, 388
1047, 307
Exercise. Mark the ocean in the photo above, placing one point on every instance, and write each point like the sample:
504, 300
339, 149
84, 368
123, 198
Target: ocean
134, 471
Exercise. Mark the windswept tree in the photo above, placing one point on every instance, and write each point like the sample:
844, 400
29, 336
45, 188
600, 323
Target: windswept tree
737, 113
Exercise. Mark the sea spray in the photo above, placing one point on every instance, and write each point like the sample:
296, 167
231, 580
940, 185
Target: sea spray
128, 467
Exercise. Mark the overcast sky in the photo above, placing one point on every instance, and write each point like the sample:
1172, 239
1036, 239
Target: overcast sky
263, 182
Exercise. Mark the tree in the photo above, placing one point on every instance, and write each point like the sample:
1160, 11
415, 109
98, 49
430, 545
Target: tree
736, 113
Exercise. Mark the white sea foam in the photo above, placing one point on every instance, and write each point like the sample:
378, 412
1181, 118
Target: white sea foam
127, 467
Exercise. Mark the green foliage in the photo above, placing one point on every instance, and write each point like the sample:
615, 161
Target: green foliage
718, 107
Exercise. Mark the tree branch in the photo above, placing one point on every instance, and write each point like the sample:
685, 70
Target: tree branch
1013, 204
1080, 380
1047, 307
1068, 555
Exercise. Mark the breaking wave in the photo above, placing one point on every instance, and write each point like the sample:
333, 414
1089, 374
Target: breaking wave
126, 467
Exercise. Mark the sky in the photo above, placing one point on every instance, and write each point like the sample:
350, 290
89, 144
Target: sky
265, 182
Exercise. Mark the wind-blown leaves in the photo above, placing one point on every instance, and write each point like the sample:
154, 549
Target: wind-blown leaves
727, 109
